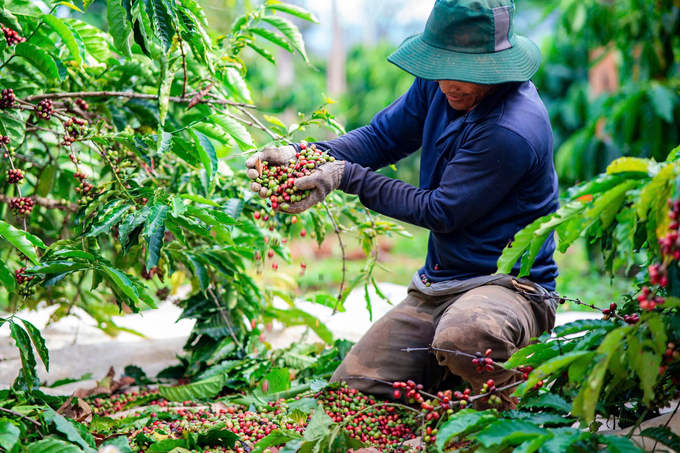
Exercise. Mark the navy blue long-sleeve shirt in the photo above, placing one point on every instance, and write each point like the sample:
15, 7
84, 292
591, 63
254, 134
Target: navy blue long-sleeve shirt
484, 175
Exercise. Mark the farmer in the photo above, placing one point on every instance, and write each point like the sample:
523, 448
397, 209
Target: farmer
486, 172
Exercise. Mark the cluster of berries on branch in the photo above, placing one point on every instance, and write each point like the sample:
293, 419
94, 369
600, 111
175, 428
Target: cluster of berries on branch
11, 36
279, 181
24, 280
15, 175
8, 99
44, 110
163, 293
75, 128
21, 206
85, 189
483, 362
82, 104
148, 275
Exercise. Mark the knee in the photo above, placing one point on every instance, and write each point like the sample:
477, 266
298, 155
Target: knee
468, 338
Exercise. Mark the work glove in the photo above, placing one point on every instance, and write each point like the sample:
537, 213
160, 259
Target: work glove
323, 181
274, 157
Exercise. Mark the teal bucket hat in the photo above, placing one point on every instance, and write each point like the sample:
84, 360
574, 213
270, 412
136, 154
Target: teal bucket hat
469, 41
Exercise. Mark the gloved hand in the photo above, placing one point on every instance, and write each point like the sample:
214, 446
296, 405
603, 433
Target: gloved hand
274, 157
323, 181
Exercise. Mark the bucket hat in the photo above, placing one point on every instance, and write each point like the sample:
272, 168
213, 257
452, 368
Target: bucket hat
469, 41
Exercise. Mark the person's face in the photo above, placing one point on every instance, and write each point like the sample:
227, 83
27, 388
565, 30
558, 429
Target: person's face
464, 95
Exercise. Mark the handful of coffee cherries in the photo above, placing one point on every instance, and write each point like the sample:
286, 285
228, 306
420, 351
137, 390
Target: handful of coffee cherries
279, 180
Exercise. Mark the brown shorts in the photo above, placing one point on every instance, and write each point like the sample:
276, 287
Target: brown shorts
492, 316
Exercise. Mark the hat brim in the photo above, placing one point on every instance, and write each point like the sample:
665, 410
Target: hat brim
516, 64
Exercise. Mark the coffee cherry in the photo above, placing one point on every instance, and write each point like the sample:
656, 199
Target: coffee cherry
4, 139
270, 253
275, 266
303, 233
8, 99
293, 220
256, 215
397, 394
14, 175
11, 36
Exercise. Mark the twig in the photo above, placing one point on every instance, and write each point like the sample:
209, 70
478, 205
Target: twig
129, 94
667, 423
225, 318
48, 203
432, 349
23, 417
259, 124
184, 64
576, 301
375, 228
344, 258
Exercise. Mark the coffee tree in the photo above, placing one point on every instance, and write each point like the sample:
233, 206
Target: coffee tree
121, 173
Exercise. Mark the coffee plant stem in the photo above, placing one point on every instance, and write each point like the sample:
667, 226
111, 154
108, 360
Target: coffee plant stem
259, 123
23, 417
344, 258
432, 349
365, 378
130, 94
103, 153
225, 318
376, 245
184, 64
576, 301
640, 419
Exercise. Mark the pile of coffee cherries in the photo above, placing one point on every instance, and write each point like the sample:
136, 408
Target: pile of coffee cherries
11, 36
280, 180
21, 206
8, 99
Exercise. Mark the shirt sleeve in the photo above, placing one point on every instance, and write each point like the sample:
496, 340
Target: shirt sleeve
394, 133
476, 179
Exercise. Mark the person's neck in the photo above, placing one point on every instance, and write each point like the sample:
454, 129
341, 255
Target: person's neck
489, 93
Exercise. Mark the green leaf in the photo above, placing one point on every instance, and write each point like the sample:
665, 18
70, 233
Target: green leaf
296, 317
629, 165
14, 126
550, 400
39, 58
663, 100
53, 445
23, 343
582, 325
156, 218
46, 181
200, 272
264, 52
86, 4
508, 432
169, 67
8, 19
9, 434
277, 380
165, 142
562, 439
23, 241
119, 26
206, 151
621, 444
206, 388
214, 132
318, 425
93, 38
66, 428
293, 10
554, 365
237, 131
73, 41
169, 445
236, 84
663, 435
105, 223
273, 37
218, 434
462, 422
39, 343
275, 438
521, 241
197, 199
161, 18
121, 281
290, 31
539, 418
154, 246
7, 277
120, 442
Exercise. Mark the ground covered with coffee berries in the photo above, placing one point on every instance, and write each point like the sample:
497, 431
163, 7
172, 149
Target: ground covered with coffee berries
236, 424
